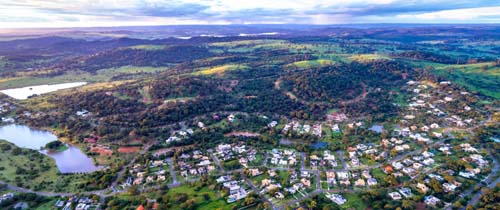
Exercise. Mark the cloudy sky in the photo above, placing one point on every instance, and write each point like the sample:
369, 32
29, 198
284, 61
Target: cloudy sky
86, 13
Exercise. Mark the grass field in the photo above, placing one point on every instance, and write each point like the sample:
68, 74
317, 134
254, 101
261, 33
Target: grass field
215, 202
31, 169
148, 47
368, 57
220, 70
481, 77
103, 75
312, 63
353, 202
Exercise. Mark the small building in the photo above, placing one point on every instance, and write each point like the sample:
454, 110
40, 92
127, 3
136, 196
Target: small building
338, 199
395, 196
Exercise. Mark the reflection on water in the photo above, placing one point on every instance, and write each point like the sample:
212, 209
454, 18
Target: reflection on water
72, 160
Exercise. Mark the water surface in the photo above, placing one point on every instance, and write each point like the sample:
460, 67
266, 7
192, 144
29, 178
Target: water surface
72, 160
25, 92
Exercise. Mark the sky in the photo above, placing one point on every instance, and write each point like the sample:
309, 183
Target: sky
92, 13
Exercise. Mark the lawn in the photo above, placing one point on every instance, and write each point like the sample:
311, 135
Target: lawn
215, 202
378, 174
353, 202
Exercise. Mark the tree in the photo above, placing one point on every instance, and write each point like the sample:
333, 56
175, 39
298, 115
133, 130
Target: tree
408, 204
312, 205
133, 190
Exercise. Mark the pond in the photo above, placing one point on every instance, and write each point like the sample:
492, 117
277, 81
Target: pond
26, 92
377, 128
72, 160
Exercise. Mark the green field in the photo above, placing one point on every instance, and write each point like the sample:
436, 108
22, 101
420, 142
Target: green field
482, 77
220, 70
353, 202
103, 75
368, 57
312, 63
148, 47
215, 201
31, 169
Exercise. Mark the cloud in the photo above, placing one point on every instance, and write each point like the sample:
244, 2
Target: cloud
487, 14
52, 13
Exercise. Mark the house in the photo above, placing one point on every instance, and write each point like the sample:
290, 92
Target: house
306, 182
372, 182
428, 161
24, 205
436, 177
223, 179
230, 118
422, 187
417, 166
254, 172
265, 182
137, 181
397, 165
431, 200
409, 171
427, 154
406, 192
82, 206
395, 196
408, 162
330, 177
59, 204
272, 124
6, 197
448, 187
338, 199
466, 174
366, 174
360, 183
437, 134
343, 175
388, 169
279, 195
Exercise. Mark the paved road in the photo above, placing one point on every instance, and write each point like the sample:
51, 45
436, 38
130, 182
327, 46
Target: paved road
122, 171
340, 156
249, 183
217, 162
303, 161
172, 172
491, 183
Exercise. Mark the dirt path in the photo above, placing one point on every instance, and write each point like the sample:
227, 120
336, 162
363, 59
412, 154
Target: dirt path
277, 86
359, 98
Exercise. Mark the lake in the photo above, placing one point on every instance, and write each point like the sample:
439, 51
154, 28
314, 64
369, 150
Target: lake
25, 92
72, 160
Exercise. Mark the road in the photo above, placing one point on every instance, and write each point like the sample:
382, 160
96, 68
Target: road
491, 183
249, 183
172, 172
217, 162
